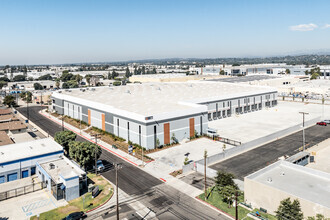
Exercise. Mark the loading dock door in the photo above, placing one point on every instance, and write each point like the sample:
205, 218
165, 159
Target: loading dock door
167, 133
25, 173
12, 177
192, 127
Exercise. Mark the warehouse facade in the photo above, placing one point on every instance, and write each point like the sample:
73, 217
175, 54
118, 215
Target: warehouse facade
157, 114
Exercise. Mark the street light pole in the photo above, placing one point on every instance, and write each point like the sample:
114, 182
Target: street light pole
95, 136
304, 113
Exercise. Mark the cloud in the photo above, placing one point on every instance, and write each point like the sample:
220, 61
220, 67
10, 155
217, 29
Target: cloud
304, 27
326, 26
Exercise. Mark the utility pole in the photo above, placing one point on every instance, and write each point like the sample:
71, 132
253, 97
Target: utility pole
27, 106
304, 113
236, 206
96, 136
117, 166
205, 156
62, 123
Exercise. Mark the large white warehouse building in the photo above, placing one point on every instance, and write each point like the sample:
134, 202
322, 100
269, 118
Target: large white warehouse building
155, 113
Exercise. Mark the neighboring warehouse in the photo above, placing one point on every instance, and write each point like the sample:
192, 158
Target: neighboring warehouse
44, 158
267, 187
155, 114
19, 160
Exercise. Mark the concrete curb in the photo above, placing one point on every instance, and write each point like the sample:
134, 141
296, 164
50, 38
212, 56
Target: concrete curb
101, 204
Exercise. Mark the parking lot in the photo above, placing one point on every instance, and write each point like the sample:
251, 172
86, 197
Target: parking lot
174, 156
253, 125
25, 206
258, 158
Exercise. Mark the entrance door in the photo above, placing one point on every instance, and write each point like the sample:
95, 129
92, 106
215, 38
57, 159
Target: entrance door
192, 127
25, 173
167, 133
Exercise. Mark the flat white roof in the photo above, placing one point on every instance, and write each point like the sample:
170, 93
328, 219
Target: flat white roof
29, 149
151, 99
296, 180
62, 167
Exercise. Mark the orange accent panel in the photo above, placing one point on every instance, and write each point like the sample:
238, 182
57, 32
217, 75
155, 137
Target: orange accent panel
89, 116
103, 122
167, 133
192, 127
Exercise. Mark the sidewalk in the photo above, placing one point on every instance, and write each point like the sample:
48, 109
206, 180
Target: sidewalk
155, 168
123, 198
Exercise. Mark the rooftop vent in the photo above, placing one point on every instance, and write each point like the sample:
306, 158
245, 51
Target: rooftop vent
269, 179
93, 89
282, 174
51, 166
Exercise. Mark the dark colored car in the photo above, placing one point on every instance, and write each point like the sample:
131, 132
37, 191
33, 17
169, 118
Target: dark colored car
75, 216
322, 123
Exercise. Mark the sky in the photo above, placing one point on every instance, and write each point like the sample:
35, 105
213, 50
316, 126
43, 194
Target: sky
62, 31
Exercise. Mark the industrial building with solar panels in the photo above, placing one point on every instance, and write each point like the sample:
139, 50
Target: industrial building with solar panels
155, 114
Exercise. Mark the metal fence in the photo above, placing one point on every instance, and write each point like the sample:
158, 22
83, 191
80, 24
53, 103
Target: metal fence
228, 141
21, 191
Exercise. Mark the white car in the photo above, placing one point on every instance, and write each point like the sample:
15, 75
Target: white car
34, 129
326, 121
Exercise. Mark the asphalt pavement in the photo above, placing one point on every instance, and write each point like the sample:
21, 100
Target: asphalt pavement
258, 158
166, 201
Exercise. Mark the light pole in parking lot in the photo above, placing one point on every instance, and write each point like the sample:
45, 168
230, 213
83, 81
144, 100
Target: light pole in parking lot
303, 125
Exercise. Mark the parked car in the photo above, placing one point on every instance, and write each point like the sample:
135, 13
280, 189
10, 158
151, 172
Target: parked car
34, 129
75, 216
322, 123
327, 121
100, 166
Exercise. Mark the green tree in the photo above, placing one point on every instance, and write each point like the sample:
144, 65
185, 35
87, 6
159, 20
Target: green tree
9, 100
26, 96
19, 78
318, 217
72, 84
227, 193
287, 71
114, 74
109, 75
78, 78
143, 71
4, 79
66, 76
222, 72
45, 77
127, 73
57, 83
65, 86
64, 138
2, 84
84, 153
289, 210
38, 86
315, 75
30, 78
88, 79
186, 161
224, 179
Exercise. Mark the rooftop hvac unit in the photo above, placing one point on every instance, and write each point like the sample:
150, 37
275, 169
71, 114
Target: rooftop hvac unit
269, 179
51, 166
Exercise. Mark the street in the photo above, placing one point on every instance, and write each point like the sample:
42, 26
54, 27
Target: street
166, 201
